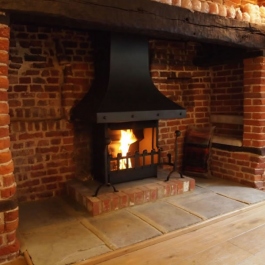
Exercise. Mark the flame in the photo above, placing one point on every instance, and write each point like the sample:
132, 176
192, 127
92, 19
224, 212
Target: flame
127, 138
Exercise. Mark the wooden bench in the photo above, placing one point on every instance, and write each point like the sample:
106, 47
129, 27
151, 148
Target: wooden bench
227, 119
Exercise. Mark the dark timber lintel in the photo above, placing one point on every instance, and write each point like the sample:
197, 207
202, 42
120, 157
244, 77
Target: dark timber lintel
146, 17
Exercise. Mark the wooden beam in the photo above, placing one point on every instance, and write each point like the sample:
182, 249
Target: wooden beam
227, 119
213, 54
142, 16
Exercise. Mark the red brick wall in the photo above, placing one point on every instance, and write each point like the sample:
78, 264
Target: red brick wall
244, 167
49, 70
227, 96
247, 165
175, 75
254, 108
9, 245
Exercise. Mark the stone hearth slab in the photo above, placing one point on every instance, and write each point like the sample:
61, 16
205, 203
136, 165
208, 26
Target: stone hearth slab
129, 193
45, 217
207, 204
122, 228
169, 219
51, 230
232, 190
72, 241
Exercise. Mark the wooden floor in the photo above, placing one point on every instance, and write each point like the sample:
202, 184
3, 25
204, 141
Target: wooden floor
23, 259
234, 239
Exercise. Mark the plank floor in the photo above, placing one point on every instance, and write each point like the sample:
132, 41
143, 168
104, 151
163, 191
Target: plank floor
234, 239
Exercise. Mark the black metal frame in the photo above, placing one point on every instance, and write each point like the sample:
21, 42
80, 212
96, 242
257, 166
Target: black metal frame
175, 164
110, 177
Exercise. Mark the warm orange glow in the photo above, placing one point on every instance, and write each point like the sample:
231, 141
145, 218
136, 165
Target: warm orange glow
127, 138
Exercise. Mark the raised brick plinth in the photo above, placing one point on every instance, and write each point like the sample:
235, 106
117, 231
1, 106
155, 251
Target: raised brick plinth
128, 194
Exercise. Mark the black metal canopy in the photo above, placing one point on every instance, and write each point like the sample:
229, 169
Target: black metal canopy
123, 90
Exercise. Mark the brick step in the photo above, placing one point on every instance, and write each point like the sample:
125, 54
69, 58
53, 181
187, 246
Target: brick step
129, 193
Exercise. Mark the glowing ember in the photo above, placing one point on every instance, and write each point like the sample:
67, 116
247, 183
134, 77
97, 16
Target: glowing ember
127, 138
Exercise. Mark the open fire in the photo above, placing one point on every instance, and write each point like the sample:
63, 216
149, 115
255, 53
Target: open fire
121, 148
132, 148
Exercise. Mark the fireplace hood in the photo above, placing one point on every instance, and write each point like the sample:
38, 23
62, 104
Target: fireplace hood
123, 90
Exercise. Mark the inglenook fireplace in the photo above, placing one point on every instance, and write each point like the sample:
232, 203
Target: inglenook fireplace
123, 108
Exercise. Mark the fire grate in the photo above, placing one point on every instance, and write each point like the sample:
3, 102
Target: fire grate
141, 169
139, 162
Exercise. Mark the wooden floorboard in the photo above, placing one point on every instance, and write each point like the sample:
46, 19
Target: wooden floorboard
236, 238
23, 259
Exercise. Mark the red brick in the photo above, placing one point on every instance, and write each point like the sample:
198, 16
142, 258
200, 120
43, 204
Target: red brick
159, 190
105, 203
3, 95
131, 196
4, 132
27, 136
68, 140
243, 163
166, 188
259, 185
80, 66
25, 80
94, 206
153, 194
146, 193
124, 199
11, 237
5, 157
240, 156
9, 249
192, 183
4, 31
115, 201
6, 168
4, 108
8, 180
4, 44
11, 215
4, 143
4, 119
4, 57
232, 167
180, 187
11, 226
8, 192
173, 188
139, 196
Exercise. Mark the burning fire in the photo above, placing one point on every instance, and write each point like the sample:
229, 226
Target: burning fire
127, 138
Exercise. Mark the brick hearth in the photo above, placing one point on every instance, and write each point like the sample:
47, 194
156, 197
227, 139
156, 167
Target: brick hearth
129, 194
